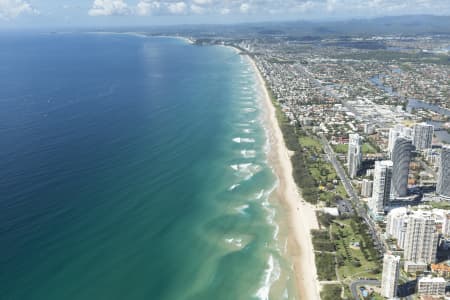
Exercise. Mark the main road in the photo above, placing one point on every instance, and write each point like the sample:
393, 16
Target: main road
359, 207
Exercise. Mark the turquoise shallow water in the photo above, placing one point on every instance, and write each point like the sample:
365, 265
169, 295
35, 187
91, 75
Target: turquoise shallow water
133, 168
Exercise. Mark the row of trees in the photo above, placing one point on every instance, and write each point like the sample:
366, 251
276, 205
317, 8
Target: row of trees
301, 174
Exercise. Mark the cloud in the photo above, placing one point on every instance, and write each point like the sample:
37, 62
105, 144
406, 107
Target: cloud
244, 8
282, 8
10, 9
145, 8
202, 2
331, 4
177, 8
225, 11
109, 8
197, 9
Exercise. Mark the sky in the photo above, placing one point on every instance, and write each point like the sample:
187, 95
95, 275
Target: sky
48, 13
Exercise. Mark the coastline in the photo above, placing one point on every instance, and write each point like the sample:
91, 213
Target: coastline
302, 216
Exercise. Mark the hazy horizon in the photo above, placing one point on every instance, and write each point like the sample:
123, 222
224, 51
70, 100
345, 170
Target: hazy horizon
129, 13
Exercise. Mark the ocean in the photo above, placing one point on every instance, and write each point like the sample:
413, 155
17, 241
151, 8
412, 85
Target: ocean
134, 168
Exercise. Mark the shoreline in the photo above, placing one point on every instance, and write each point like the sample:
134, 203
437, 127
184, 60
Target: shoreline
302, 215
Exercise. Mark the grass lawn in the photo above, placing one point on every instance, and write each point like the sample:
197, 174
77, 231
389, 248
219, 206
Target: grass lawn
442, 205
367, 148
341, 148
312, 143
353, 264
341, 190
322, 171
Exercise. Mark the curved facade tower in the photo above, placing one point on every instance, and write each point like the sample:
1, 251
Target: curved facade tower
443, 183
401, 157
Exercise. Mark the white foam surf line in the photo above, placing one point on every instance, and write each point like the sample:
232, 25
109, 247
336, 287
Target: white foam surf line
271, 212
271, 275
243, 140
259, 195
271, 219
246, 171
237, 242
240, 167
248, 153
233, 187
242, 209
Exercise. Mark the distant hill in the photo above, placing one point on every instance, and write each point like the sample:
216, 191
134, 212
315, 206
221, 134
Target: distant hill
312, 30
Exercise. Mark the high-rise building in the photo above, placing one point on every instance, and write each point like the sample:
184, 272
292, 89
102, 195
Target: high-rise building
389, 279
421, 238
431, 286
366, 188
381, 186
443, 183
397, 221
401, 158
397, 131
354, 156
422, 136
446, 225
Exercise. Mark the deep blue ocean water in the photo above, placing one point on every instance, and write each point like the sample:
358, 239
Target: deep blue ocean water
133, 168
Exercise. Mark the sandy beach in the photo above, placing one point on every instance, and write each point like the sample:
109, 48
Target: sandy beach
302, 216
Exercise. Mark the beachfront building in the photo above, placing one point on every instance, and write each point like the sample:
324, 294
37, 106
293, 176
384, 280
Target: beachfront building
397, 131
443, 183
381, 187
401, 158
389, 279
354, 155
421, 238
423, 136
431, 286
366, 188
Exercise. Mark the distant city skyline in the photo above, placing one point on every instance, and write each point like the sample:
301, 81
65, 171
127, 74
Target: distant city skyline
45, 13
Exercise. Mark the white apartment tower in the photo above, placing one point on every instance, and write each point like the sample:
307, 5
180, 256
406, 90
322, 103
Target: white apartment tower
401, 158
381, 186
446, 225
423, 136
389, 279
354, 155
443, 183
397, 222
421, 238
367, 188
